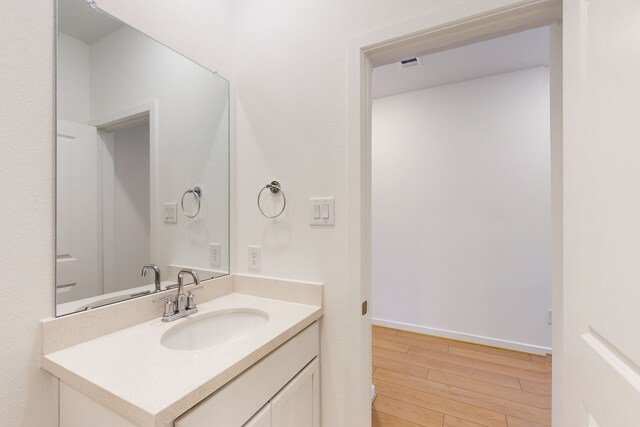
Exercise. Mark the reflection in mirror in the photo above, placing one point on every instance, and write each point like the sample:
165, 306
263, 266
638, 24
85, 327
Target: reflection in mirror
139, 127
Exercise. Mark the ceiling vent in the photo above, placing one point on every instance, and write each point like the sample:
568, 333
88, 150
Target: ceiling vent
410, 63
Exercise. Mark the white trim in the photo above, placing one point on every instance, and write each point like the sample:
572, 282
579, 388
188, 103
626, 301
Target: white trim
462, 336
122, 114
467, 22
557, 185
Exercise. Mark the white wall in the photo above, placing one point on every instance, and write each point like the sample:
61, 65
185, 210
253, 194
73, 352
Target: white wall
28, 396
461, 210
73, 76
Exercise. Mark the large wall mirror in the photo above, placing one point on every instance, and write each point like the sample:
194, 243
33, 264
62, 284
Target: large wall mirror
142, 164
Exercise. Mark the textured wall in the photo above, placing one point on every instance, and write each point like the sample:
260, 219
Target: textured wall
27, 395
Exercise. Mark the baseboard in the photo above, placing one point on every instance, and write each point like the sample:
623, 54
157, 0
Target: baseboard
461, 336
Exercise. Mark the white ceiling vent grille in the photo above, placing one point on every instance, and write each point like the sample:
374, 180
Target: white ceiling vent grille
410, 63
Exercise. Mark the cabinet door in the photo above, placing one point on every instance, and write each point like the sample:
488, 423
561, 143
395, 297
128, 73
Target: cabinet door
240, 399
79, 410
261, 419
298, 403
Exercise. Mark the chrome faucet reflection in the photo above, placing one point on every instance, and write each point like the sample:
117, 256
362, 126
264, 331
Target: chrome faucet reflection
182, 305
156, 272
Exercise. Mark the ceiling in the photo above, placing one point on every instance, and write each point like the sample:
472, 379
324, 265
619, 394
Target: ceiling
77, 19
514, 52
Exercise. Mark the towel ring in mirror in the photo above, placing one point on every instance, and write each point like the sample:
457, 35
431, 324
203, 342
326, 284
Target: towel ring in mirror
275, 188
197, 193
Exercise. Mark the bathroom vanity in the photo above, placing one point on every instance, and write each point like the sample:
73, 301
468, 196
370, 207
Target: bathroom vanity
142, 186
248, 357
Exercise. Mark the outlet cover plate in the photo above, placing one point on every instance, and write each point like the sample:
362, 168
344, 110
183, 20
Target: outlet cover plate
254, 258
214, 254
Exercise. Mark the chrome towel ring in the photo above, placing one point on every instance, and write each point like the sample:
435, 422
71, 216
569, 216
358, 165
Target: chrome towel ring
275, 188
197, 193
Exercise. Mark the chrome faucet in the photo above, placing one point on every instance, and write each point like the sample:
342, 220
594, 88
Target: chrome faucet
183, 305
182, 301
156, 272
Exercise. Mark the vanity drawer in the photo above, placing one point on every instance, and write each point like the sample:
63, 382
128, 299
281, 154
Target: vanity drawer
238, 401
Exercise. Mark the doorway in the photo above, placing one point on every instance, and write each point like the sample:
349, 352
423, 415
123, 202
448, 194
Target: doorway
461, 234
461, 224
421, 37
125, 175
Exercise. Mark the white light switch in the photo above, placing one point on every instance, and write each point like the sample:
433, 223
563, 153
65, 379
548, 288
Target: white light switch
214, 254
170, 213
254, 257
323, 211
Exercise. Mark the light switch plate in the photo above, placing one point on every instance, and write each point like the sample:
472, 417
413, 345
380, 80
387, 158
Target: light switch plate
322, 211
254, 258
214, 254
170, 213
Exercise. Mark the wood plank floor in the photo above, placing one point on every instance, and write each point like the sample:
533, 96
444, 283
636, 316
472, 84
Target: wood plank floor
422, 380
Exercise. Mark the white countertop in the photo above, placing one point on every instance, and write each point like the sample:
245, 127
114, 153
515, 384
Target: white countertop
134, 375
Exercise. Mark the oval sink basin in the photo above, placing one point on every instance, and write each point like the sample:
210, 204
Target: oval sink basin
214, 329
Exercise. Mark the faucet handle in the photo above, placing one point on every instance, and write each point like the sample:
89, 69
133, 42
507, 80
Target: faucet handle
169, 309
191, 299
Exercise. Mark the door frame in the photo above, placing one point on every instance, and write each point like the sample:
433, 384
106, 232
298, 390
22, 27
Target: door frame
114, 119
468, 22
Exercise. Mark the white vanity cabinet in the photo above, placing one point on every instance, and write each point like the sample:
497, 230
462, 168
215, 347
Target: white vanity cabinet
296, 405
262, 418
282, 390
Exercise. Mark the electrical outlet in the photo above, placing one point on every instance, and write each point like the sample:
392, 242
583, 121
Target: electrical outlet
549, 316
214, 254
254, 257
